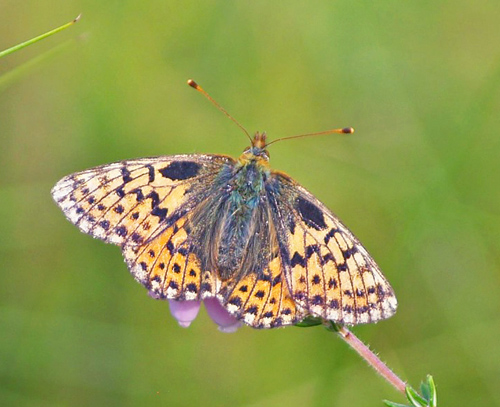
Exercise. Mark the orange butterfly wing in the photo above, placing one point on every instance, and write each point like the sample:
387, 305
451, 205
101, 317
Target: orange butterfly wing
328, 271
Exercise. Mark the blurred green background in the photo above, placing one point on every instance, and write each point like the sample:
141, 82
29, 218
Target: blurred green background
418, 183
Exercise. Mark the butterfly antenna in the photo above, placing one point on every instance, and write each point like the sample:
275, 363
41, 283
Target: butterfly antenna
345, 130
193, 84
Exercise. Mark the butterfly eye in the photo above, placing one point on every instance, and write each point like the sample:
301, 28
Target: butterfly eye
266, 152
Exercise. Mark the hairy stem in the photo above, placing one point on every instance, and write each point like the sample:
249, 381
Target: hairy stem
373, 360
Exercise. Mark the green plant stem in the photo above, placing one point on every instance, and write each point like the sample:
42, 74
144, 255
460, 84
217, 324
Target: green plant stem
40, 37
20, 71
373, 360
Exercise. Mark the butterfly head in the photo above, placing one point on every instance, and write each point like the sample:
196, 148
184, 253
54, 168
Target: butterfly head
257, 151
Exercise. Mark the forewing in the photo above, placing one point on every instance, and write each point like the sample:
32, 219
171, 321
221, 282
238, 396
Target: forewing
328, 272
131, 202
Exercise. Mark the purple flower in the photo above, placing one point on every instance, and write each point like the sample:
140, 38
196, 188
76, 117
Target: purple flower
227, 323
186, 311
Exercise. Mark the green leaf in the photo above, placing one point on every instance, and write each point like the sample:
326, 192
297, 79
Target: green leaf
428, 398
424, 388
432, 391
415, 398
332, 326
309, 321
392, 404
36, 39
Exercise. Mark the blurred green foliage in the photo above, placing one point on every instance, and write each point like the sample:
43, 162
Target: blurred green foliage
417, 183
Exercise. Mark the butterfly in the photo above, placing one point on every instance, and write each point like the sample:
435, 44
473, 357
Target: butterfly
202, 226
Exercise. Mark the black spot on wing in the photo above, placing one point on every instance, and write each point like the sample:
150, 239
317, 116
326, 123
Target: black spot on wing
235, 301
260, 294
120, 192
252, 310
327, 258
160, 212
310, 213
121, 231
330, 234
151, 172
349, 252
180, 170
277, 322
342, 267
297, 259
206, 287
317, 300
138, 193
192, 288
332, 283
155, 198
363, 309
136, 238
348, 309
171, 248
311, 249
126, 175
334, 304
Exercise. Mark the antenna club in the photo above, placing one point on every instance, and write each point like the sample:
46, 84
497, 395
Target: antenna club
193, 84
347, 130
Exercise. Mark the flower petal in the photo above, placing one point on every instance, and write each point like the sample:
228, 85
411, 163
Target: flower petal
184, 311
227, 323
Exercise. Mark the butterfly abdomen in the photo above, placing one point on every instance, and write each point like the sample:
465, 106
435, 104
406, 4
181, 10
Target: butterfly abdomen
239, 221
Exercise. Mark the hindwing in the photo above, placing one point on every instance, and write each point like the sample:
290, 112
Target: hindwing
328, 271
259, 294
